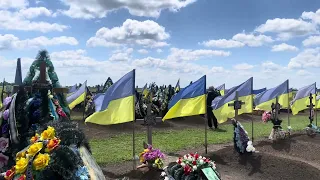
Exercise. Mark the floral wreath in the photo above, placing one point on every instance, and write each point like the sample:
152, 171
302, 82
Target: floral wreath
189, 167
34, 159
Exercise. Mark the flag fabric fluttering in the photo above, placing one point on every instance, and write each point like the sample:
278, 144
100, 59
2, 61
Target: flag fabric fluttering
78, 96
116, 105
221, 108
301, 100
222, 89
72, 89
177, 88
264, 100
189, 101
258, 91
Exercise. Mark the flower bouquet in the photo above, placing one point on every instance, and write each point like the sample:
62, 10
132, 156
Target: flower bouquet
47, 157
266, 116
151, 158
242, 143
190, 167
277, 132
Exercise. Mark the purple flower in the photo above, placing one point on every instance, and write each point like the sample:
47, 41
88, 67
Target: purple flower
37, 102
7, 101
5, 114
36, 114
4, 144
3, 160
5, 128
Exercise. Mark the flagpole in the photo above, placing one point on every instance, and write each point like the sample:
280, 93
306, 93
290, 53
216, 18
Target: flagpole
206, 114
84, 102
315, 101
252, 112
133, 123
288, 104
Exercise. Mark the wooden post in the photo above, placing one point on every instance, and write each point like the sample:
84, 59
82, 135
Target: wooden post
310, 108
276, 107
236, 105
288, 106
149, 120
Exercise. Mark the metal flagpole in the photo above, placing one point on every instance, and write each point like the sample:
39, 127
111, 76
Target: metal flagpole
85, 100
133, 123
205, 119
288, 104
252, 111
315, 102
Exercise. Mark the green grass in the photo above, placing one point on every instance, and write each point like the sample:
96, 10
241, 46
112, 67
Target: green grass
119, 148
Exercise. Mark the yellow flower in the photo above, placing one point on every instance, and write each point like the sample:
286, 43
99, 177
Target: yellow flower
20, 155
21, 165
35, 148
41, 161
50, 133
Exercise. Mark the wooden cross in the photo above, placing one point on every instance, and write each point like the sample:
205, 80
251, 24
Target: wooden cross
275, 109
310, 108
149, 118
236, 105
43, 83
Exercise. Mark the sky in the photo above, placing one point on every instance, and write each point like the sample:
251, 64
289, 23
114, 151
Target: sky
165, 40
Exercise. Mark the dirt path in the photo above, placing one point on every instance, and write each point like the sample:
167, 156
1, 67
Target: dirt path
294, 158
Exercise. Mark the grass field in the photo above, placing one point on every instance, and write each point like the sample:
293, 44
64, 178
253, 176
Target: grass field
119, 148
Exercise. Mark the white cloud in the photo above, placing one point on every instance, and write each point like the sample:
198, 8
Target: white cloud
307, 58
38, 1
315, 17
132, 32
303, 73
311, 41
192, 55
9, 41
22, 20
252, 40
243, 66
287, 28
143, 51
16, 4
223, 43
283, 47
122, 56
270, 67
217, 70
159, 51
89, 9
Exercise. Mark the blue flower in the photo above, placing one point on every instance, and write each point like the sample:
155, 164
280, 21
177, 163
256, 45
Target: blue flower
83, 173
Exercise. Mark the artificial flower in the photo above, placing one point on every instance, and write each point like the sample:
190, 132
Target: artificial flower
194, 168
23, 177
3, 160
21, 165
5, 114
10, 174
6, 101
82, 173
35, 138
35, 148
20, 155
187, 170
4, 144
52, 144
5, 128
41, 161
48, 134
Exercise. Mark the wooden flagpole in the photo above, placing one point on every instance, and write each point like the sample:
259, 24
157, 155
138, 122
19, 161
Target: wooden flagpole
206, 117
252, 112
316, 103
288, 111
133, 123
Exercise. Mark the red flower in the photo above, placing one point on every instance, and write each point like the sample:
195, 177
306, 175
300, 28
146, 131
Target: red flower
196, 156
194, 162
23, 177
10, 174
192, 154
187, 170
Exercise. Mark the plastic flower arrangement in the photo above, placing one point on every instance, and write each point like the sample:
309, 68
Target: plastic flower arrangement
266, 116
36, 157
190, 167
152, 157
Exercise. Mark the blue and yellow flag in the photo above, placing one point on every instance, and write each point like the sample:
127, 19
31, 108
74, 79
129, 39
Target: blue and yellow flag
117, 105
78, 96
264, 100
221, 108
72, 89
301, 100
189, 101
177, 88
221, 88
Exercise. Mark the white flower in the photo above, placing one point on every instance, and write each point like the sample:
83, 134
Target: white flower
201, 161
249, 143
166, 178
185, 157
190, 158
183, 164
163, 174
194, 168
250, 148
213, 165
50, 96
200, 157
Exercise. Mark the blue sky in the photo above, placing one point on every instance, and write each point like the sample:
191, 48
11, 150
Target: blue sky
229, 41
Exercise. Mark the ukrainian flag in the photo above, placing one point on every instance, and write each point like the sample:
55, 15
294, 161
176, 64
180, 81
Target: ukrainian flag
220, 105
221, 89
177, 88
72, 89
190, 101
118, 103
264, 100
78, 96
301, 100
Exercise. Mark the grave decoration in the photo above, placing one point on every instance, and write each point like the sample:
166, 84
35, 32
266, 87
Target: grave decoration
38, 139
311, 129
151, 158
191, 167
241, 140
